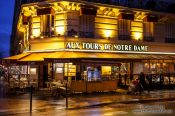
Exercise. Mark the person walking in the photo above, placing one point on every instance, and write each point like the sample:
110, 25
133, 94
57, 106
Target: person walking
125, 78
3, 86
120, 80
149, 81
143, 85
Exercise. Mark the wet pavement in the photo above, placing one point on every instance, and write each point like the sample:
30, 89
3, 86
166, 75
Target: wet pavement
107, 104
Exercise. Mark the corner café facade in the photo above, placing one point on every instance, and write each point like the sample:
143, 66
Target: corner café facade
92, 65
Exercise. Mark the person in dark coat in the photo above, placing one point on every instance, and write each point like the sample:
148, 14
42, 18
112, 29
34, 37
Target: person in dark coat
149, 81
120, 80
143, 85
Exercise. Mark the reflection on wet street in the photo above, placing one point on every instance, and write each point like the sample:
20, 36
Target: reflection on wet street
147, 109
92, 105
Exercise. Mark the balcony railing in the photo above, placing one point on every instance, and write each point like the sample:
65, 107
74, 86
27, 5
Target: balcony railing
124, 37
148, 39
170, 40
86, 34
157, 5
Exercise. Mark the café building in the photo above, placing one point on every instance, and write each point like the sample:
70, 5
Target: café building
91, 45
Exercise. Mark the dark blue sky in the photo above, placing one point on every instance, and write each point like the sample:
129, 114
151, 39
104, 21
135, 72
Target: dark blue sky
6, 17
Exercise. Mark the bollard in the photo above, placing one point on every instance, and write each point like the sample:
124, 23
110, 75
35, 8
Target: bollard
66, 97
31, 92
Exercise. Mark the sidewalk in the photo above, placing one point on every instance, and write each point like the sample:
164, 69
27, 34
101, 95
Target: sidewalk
20, 104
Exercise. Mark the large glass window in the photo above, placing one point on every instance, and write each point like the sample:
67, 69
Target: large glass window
156, 68
93, 73
69, 69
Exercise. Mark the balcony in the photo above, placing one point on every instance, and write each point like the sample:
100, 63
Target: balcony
124, 37
86, 34
148, 39
81, 34
157, 5
169, 40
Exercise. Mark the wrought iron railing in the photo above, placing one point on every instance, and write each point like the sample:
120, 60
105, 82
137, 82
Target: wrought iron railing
170, 40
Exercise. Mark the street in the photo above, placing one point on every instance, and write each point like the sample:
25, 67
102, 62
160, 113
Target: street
155, 103
146, 109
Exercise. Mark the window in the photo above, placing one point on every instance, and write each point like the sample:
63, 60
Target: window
169, 33
73, 23
148, 31
35, 27
47, 22
60, 23
69, 70
124, 28
87, 26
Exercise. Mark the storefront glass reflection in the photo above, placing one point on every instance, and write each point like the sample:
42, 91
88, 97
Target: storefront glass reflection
93, 73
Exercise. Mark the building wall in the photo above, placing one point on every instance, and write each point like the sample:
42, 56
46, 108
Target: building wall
67, 23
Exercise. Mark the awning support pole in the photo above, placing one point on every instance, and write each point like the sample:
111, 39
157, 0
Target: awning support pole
67, 87
27, 70
149, 67
52, 74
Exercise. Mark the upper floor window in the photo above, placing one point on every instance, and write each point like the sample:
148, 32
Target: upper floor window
124, 29
60, 24
87, 22
72, 23
148, 31
87, 26
35, 27
42, 26
47, 24
169, 33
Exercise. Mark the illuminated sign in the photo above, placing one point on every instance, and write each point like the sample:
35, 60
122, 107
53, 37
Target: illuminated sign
110, 47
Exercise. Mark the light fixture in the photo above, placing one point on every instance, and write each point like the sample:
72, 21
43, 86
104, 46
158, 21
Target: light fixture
31, 36
60, 30
32, 70
137, 35
107, 33
108, 37
53, 28
76, 36
41, 37
36, 32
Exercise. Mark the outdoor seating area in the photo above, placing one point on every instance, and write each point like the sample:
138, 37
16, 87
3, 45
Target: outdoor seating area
56, 88
22, 82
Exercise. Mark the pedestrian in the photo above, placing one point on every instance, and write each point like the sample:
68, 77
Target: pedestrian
149, 81
131, 77
125, 78
3, 86
120, 80
161, 80
143, 85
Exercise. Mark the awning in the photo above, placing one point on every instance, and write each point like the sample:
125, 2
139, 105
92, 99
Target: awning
67, 56
17, 57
